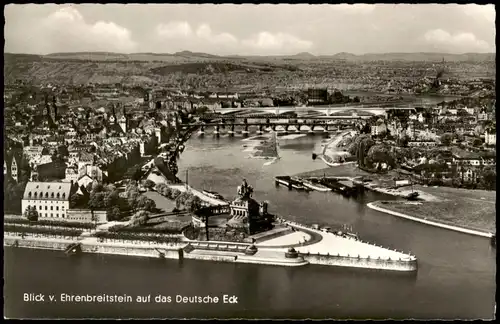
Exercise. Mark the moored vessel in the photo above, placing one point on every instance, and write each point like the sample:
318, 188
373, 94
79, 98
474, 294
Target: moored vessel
315, 185
213, 194
290, 182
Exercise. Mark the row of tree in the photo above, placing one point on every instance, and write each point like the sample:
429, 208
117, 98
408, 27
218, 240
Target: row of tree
183, 200
371, 155
12, 228
121, 236
31, 215
106, 197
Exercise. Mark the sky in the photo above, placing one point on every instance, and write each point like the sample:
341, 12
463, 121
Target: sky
250, 29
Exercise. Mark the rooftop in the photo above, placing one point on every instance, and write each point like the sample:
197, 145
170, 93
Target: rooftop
47, 190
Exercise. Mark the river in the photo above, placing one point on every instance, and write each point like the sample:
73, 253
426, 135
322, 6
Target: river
455, 280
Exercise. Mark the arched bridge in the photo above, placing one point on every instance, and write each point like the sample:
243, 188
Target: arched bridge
295, 124
326, 111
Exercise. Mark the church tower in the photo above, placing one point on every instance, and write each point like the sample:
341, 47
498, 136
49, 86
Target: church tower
123, 121
47, 107
54, 109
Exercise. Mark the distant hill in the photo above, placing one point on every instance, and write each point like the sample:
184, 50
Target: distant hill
185, 56
207, 70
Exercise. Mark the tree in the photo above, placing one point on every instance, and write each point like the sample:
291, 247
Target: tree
160, 187
446, 139
96, 202
31, 213
63, 150
148, 184
403, 140
95, 186
379, 154
111, 197
363, 148
488, 178
140, 218
144, 203
136, 173
477, 142
74, 200
174, 194
114, 213
194, 204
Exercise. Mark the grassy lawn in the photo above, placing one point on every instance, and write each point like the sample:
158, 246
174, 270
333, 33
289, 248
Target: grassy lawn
460, 194
457, 209
162, 203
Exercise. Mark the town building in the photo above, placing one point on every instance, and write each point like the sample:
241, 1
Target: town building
317, 96
379, 128
12, 165
51, 199
422, 143
461, 157
490, 136
71, 174
88, 173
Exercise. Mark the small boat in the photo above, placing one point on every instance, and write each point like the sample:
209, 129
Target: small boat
413, 195
212, 194
315, 185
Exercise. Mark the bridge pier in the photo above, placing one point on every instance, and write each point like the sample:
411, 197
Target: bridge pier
202, 130
231, 132
217, 130
245, 131
273, 128
260, 131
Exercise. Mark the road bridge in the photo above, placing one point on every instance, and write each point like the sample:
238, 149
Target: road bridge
211, 117
327, 111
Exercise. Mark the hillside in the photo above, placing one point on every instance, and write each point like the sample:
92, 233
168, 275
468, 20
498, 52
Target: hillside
200, 70
194, 56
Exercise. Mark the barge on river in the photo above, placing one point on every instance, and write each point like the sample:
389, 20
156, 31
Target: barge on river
315, 184
346, 188
290, 182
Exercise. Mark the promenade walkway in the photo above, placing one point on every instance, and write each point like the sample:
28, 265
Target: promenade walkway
430, 222
210, 200
333, 244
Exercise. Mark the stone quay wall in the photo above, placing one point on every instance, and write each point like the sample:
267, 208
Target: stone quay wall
35, 243
355, 262
150, 252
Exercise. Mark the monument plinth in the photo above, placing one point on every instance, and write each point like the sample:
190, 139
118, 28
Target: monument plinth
247, 214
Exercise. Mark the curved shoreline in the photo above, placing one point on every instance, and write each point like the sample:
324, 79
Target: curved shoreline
428, 222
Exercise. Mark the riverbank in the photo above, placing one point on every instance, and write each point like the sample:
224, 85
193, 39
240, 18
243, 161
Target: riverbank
262, 146
432, 216
326, 249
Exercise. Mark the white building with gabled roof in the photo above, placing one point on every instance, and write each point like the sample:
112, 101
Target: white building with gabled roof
51, 199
